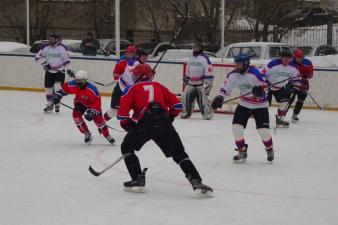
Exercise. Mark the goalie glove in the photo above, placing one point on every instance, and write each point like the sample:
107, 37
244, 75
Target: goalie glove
207, 85
217, 102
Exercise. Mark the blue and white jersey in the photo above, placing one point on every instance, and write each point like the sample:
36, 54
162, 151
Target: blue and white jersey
126, 79
275, 71
245, 82
56, 56
199, 68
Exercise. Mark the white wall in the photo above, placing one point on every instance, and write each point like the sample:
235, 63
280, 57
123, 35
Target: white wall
22, 71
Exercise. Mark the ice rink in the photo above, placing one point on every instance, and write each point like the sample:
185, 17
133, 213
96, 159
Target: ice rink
45, 179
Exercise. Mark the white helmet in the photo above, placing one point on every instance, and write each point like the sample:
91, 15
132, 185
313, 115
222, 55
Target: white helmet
81, 75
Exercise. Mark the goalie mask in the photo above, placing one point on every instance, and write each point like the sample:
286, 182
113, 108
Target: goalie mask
143, 72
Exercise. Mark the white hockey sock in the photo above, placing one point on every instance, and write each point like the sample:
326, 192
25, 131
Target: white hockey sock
266, 137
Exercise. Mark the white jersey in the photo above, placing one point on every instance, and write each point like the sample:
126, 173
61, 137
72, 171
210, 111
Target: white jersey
126, 79
245, 82
275, 71
199, 68
56, 56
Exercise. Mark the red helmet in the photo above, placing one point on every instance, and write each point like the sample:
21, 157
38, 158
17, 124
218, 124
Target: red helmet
143, 72
131, 48
298, 53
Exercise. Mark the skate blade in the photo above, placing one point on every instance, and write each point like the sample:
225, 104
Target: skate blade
136, 189
239, 161
202, 193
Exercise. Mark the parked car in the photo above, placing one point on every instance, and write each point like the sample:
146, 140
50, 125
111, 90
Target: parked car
7, 46
317, 50
180, 55
109, 45
206, 46
154, 48
37, 45
256, 50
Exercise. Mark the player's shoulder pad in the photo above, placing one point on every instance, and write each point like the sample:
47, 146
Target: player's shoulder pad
122, 58
274, 62
132, 61
306, 62
63, 46
253, 70
206, 57
72, 83
234, 71
93, 88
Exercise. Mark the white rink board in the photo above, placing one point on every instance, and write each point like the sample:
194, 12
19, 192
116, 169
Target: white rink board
23, 71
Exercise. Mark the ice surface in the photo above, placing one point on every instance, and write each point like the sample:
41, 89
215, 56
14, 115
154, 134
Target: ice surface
45, 179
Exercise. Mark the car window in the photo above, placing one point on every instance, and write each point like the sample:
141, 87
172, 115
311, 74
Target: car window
233, 51
253, 52
307, 50
274, 52
326, 51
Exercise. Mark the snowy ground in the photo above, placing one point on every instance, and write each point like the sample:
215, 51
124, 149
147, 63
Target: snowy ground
45, 181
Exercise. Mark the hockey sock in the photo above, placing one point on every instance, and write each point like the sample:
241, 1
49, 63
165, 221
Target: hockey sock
102, 127
189, 169
80, 123
110, 114
282, 110
298, 106
49, 94
238, 132
266, 137
133, 165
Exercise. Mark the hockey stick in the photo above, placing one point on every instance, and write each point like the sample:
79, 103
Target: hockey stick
314, 101
176, 34
102, 84
231, 99
106, 124
96, 174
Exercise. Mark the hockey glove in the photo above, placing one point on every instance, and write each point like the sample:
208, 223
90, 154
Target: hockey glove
217, 102
56, 98
71, 73
258, 91
127, 124
47, 66
90, 114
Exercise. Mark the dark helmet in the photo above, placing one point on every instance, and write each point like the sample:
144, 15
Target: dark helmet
141, 52
285, 53
197, 49
242, 58
55, 35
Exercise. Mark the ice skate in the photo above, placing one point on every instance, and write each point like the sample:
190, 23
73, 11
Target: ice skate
88, 138
49, 108
281, 123
57, 108
295, 118
201, 189
138, 185
110, 139
242, 154
270, 155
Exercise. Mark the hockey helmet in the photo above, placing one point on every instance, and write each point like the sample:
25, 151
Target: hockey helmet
143, 72
286, 53
242, 58
55, 35
298, 53
81, 75
197, 49
131, 49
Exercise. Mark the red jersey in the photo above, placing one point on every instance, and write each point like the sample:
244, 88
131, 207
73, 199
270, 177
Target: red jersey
139, 95
305, 68
89, 97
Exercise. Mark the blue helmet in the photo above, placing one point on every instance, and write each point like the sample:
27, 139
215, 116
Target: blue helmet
242, 58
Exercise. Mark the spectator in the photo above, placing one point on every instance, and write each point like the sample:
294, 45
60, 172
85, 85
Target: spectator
90, 45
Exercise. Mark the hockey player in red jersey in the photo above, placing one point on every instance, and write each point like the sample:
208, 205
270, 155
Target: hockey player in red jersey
87, 102
305, 68
154, 109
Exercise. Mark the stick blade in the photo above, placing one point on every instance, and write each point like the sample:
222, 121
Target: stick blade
93, 172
